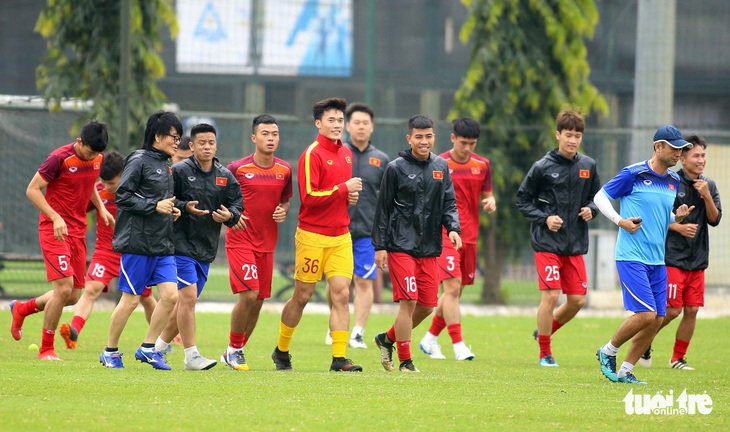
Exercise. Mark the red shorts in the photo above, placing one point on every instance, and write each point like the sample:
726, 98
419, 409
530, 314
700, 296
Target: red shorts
146, 293
64, 259
250, 270
685, 287
104, 267
563, 272
414, 278
460, 264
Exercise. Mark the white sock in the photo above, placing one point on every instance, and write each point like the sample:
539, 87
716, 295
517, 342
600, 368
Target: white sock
430, 338
231, 350
161, 345
626, 367
191, 352
459, 345
609, 349
357, 330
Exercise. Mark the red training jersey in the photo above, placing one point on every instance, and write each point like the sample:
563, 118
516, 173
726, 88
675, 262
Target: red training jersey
263, 189
323, 169
104, 232
470, 178
70, 185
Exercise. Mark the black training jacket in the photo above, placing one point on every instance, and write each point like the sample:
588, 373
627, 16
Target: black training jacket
197, 236
416, 199
559, 186
139, 229
369, 165
692, 253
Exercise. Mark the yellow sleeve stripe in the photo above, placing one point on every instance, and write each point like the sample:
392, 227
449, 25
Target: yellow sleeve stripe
307, 174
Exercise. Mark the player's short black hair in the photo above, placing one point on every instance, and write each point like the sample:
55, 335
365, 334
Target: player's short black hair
466, 127
112, 165
185, 143
160, 123
358, 107
262, 119
695, 140
327, 104
570, 120
95, 135
419, 121
202, 128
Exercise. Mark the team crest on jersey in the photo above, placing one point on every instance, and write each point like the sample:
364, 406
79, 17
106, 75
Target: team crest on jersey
280, 176
375, 161
438, 175
221, 181
72, 169
329, 162
476, 171
584, 174
671, 187
347, 159
248, 175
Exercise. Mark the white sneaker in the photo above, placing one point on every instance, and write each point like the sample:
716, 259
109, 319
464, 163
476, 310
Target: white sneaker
357, 342
432, 349
328, 338
463, 353
198, 362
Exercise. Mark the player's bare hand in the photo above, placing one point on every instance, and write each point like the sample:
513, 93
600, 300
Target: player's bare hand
107, 218
701, 187
241, 225
279, 214
554, 223
222, 214
166, 205
682, 212
687, 230
455, 239
352, 197
354, 184
60, 230
191, 208
489, 205
176, 213
631, 224
586, 213
381, 259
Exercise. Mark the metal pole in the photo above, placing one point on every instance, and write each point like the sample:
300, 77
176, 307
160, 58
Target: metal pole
370, 55
124, 61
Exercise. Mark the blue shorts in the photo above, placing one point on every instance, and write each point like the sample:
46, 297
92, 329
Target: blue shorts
644, 286
364, 255
191, 271
139, 271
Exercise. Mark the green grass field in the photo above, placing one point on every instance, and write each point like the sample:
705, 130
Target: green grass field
502, 389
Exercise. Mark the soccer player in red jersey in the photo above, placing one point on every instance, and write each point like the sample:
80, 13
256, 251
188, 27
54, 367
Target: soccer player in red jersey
68, 176
472, 177
415, 203
266, 184
323, 242
104, 264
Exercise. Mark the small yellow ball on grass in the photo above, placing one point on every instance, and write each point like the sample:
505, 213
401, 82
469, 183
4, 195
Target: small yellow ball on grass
33, 348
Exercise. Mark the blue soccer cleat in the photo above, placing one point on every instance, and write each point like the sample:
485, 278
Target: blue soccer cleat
111, 360
548, 361
155, 359
629, 378
608, 365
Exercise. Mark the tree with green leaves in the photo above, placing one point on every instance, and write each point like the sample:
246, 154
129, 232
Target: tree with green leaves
83, 59
527, 61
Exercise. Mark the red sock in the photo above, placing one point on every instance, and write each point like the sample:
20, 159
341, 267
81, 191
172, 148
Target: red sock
544, 342
437, 325
78, 323
245, 339
680, 349
556, 326
237, 340
455, 333
391, 333
28, 308
404, 350
47, 340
